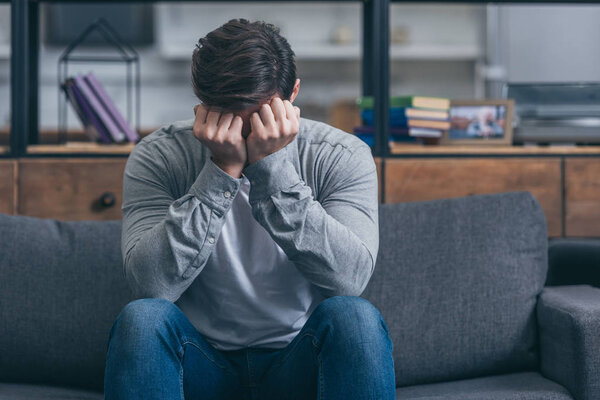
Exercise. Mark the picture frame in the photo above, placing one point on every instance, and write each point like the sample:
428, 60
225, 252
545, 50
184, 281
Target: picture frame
480, 123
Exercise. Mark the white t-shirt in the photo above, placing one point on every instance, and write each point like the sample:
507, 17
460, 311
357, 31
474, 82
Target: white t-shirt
249, 294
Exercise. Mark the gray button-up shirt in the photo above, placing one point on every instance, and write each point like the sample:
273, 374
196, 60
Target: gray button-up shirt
316, 197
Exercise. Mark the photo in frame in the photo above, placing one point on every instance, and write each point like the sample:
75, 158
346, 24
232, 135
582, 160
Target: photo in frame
480, 122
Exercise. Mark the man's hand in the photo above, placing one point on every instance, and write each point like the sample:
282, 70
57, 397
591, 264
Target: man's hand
222, 134
273, 127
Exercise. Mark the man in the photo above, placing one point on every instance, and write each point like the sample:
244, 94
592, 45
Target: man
249, 234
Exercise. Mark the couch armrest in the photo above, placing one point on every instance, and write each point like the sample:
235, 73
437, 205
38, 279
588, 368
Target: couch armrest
569, 328
573, 261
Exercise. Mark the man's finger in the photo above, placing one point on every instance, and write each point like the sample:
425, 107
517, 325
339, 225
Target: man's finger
213, 117
224, 124
266, 115
236, 125
278, 109
289, 110
297, 110
256, 123
200, 112
225, 121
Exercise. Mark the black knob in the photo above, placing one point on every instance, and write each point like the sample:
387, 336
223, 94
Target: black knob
108, 199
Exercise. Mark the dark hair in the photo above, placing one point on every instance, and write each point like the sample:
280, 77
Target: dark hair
241, 64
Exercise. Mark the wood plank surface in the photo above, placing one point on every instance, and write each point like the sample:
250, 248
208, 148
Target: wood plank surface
80, 148
582, 197
410, 149
70, 188
51, 136
419, 179
8, 187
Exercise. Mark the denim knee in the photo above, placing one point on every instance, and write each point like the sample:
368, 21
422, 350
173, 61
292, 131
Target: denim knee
351, 314
144, 316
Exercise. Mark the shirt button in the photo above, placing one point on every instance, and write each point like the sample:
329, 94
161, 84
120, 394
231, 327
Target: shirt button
227, 194
211, 240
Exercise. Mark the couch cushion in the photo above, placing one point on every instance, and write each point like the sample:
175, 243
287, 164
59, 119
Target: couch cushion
14, 391
62, 287
520, 386
456, 281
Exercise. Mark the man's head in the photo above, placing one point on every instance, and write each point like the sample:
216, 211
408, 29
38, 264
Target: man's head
241, 65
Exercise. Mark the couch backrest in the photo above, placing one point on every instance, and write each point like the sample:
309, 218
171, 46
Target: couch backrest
61, 288
457, 281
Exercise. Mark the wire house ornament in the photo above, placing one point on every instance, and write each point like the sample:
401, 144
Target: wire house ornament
125, 53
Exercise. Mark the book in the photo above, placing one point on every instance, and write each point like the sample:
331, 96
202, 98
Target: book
424, 132
425, 123
112, 109
437, 103
397, 133
399, 115
86, 114
421, 123
98, 109
369, 139
89, 129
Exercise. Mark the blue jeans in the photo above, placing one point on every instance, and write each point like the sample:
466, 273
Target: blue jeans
342, 352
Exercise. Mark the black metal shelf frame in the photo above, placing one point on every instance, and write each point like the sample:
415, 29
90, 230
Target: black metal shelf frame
375, 65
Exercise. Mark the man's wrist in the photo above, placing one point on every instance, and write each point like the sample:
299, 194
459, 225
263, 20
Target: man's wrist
253, 158
271, 174
233, 169
214, 187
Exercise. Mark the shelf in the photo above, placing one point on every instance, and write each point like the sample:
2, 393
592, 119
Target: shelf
406, 149
80, 148
403, 149
454, 52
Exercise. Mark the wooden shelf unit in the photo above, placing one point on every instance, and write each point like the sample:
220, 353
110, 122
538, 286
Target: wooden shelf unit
563, 178
436, 150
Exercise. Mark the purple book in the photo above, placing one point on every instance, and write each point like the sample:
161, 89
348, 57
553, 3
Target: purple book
87, 111
100, 111
107, 101
89, 129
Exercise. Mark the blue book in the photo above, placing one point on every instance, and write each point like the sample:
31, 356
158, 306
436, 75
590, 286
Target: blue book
399, 116
401, 134
365, 133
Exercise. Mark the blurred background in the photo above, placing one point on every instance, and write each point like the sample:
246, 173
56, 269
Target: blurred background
448, 50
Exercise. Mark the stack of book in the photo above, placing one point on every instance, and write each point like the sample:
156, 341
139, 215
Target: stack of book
98, 113
413, 119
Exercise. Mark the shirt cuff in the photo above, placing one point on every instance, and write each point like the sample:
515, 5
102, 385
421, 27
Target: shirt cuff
215, 187
271, 174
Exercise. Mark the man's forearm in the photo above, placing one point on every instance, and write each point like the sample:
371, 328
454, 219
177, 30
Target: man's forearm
166, 242
334, 244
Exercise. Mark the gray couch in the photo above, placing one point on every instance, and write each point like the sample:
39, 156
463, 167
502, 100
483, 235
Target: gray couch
460, 282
